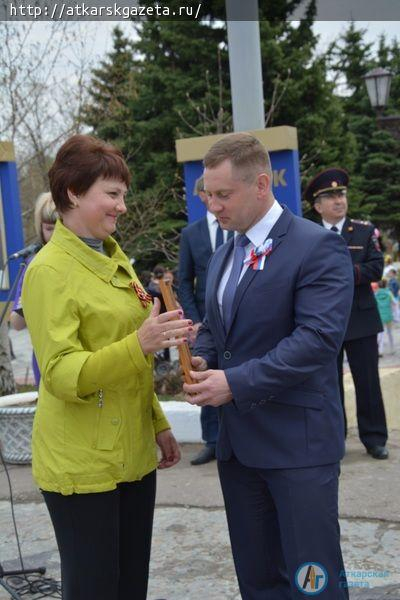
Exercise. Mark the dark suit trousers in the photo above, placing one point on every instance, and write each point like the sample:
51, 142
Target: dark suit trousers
209, 425
278, 520
104, 540
362, 355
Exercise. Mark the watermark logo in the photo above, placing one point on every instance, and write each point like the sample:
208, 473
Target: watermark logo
311, 578
362, 578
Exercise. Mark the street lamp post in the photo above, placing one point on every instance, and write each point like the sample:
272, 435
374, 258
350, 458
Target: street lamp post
378, 83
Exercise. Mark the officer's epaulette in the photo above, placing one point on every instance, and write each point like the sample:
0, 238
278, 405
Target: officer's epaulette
361, 222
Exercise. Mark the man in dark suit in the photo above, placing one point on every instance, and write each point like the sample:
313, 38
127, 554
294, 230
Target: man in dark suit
277, 304
198, 242
328, 194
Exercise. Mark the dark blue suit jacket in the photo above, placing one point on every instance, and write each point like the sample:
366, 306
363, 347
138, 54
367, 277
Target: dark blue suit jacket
194, 253
279, 355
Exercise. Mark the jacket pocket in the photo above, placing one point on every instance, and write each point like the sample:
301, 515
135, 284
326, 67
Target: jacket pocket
108, 423
299, 397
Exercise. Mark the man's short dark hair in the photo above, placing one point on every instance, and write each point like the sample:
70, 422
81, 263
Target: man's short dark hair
246, 153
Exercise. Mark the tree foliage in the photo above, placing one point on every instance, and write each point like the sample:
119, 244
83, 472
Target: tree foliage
7, 383
375, 167
171, 80
43, 87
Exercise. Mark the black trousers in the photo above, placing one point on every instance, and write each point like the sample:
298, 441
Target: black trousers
104, 540
362, 355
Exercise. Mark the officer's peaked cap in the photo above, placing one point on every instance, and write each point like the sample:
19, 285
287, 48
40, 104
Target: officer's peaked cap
328, 180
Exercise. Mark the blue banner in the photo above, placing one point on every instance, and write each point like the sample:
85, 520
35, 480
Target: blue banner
286, 183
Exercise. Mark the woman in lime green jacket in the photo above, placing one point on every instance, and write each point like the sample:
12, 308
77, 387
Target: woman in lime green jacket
98, 420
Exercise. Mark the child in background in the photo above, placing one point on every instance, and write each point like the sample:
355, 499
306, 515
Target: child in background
385, 301
394, 287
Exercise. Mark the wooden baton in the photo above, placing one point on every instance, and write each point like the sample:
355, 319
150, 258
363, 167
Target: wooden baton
184, 352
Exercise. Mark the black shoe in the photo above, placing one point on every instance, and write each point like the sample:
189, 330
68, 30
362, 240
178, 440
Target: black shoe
379, 452
204, 456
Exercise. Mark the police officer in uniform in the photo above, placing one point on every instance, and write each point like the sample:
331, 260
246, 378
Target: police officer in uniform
327, 192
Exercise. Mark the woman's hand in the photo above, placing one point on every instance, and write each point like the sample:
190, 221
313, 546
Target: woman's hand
163, 331
170, 452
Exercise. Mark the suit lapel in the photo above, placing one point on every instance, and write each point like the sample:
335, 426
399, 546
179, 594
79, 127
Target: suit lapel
221, 259
277, 235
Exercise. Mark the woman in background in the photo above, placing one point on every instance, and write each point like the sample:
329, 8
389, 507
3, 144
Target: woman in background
45, 217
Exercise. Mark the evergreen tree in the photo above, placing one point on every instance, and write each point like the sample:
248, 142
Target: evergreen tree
351, 58
374, 190
296, 89
181, 74
178, 73
112, 88
173, 81
381, 179
394, 66
7, 383
141, 96
299, 77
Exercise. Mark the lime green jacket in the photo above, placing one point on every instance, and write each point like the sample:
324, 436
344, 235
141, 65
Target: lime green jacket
97, 413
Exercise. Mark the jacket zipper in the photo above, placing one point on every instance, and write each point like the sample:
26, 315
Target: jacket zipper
100, 395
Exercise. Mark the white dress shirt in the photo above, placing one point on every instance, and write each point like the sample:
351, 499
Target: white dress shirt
257, 236
338, 225
212, 222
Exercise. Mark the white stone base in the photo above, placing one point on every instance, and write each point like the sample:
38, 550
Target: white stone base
183, 417
184, 420
18, 399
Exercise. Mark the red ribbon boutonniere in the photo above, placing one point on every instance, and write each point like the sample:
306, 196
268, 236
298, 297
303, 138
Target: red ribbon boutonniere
144, 297
258, 255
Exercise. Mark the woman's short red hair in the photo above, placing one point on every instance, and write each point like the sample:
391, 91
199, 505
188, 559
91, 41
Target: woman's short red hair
80, 161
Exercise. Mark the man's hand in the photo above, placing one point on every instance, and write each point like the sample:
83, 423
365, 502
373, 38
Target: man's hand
199, 363
170, 452
212, 388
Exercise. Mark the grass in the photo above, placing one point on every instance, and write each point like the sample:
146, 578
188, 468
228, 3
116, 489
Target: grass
24, 387
168, 398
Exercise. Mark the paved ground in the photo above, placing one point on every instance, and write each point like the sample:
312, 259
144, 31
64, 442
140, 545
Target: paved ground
191, 557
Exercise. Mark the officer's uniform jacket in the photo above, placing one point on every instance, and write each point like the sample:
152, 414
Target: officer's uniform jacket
368, 266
